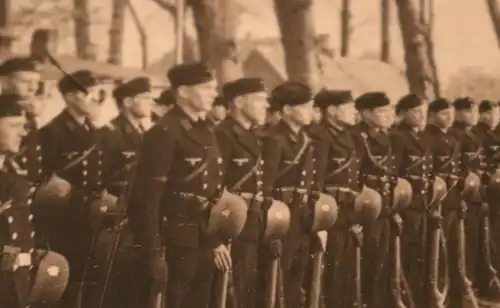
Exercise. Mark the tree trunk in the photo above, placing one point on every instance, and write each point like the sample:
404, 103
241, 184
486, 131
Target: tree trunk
82, 29
295, 21
4, 13
385, 47
418, 67
216, 24
427, 19
143, 37
345, 27
116, 32
5, 36
494, 11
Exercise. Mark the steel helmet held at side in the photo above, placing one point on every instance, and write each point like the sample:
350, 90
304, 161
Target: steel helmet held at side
228, 216
277, 220
325, 212
402, 195
367, 206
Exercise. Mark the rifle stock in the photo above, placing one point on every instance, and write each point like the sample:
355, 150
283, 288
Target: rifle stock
436, 297
396, 279
316, 277
222, 291
492, 272
272, 281
469, 299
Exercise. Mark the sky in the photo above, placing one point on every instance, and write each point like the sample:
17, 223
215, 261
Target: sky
463, 35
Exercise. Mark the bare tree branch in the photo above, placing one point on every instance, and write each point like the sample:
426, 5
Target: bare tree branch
166, 5
142, 33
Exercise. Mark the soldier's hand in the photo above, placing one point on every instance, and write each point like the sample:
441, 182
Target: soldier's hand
157, 271
484, 208
398, 223
222, 258
275, 248
435, 220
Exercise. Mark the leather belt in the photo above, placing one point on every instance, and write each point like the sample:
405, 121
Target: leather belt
204, 201
290, 194
336, 189
378, 178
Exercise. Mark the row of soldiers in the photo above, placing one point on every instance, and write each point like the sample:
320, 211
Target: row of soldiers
312, 209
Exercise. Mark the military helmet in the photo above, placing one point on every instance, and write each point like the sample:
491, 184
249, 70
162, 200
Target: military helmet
367, 206
438, 190
472, 186
53, 193
325, 213
50, 280
278, 220
107, 204
228, 216
402, 195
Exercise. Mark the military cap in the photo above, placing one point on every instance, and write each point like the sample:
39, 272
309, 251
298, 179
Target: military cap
486, 105
189, 74
19, 64
9, 105
166, 98
463, 103
242, 86
439, 105
326, 98
372, 100
132, 88
291, 93
77, 81
220, 100
408, 102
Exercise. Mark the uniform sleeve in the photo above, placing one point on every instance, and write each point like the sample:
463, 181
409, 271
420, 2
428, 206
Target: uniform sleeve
272, 150
154, 162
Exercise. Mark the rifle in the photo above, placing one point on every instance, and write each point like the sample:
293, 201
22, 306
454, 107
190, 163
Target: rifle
316, 278
272, 281
223, 287
436, 297
358, 301
494, 283
397, 273
157, 300
469, 299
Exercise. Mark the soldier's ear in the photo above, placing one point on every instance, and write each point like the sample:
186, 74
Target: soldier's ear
183, 91
127, 102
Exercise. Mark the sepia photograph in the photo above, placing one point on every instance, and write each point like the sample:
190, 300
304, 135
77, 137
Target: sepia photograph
249, 153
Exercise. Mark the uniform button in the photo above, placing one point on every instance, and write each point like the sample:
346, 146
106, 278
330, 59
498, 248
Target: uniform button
32, 189
314, 171
10, 219
38, 148
32, 234
205, 173
84, 183
302, 183
220, 172
14, 235
98, 183
219, 160
31, 250
39, 158
30, 201
303, 172
259, 183
24, 160
98, 172
349, 180
99, 162
205, 186
84, 172
39, 171
219, 186
30, 217
85, 163
262, 162
314, 160
423, 167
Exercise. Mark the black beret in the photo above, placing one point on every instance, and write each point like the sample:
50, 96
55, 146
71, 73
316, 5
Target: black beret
372, 100
439, 105
220, 100
290, 93
189, 74
9, 105
77, 81
408, 102
166, 98
242, 86
19, 64
326, 98
486, 105
463, 103
132, 88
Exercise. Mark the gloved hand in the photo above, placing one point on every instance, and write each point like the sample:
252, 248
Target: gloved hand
157, 271
222, 258
397, 223
435, 220
275, 248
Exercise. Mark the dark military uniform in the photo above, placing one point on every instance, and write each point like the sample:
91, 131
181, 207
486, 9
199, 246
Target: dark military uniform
288, 169
340, 172
77, 153
17, 236
447, 161
179, 172
241, 152
416, 166
30, 155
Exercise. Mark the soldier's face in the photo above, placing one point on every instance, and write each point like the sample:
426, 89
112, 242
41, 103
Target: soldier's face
416, 117
345, 113
446, 117
255, 107
301, 114
24, 83
141, 105
202, 95
382, 117
471, 116
12, 131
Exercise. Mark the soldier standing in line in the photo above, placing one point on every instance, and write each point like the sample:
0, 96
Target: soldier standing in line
341, 180
478, 264
378, 172
179, 176
218, 112
26, 274
242, 153
416, 166
135, 101
163, 104
76, 153
20, 76
446, 151
489, 117
289, 177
